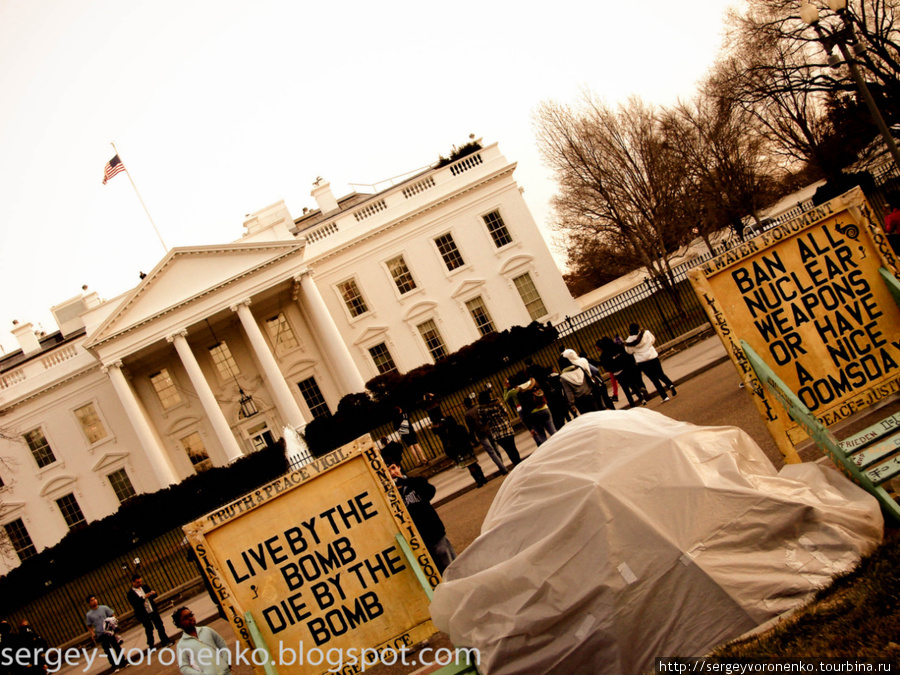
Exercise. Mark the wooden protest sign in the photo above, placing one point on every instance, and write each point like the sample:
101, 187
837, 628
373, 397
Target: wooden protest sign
315, 559
808, 297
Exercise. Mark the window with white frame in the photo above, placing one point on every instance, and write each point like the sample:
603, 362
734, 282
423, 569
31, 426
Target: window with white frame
530, 296
400, 274
121, 485
40, 448
382, 358
497, 228
316, 403
91, 424
449, 252
71, 511
224, 361
281, 334
196, 452
165, 389
353, 298
18, 536
480, 315
433, 340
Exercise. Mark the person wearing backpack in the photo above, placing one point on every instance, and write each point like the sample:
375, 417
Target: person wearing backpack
553, 391
535, 410
577, 386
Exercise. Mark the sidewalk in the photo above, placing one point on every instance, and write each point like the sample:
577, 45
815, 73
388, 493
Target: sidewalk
450, 484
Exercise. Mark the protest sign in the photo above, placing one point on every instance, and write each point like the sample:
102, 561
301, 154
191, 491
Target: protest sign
809, 298
314, 558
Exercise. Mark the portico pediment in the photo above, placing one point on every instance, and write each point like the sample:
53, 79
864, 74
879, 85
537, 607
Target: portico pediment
186, 275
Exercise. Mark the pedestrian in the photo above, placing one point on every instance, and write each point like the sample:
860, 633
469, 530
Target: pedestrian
639, 344
408, 436
458, 447
12, 648
892, 222
550, 384
598, 386
143, 600
535, 410
616, 361
392, 453
201, 650
492, 414
417, 494
34, 645
481, 434
576, 384
102, 624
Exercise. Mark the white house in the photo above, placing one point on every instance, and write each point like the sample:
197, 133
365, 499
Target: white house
220, 346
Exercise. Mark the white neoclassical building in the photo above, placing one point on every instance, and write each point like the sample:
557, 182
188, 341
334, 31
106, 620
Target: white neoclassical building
219, 347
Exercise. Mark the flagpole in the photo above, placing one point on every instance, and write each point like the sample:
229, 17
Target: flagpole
128, 173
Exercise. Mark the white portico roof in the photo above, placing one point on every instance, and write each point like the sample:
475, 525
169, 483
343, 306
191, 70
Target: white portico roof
191, 283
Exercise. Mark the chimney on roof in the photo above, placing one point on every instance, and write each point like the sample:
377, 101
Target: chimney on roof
322, 192
28, 341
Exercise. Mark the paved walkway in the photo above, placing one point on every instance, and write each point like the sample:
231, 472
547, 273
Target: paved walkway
450, 484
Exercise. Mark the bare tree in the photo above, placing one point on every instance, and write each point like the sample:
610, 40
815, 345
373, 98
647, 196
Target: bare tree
777, 68
619, 180
771, 80
728, 163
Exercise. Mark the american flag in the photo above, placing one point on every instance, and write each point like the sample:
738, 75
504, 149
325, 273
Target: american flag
112, 167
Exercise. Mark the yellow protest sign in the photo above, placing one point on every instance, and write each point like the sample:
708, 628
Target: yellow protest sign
807, 296
314, 558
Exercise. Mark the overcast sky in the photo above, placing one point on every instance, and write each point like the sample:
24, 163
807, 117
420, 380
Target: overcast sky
221, 108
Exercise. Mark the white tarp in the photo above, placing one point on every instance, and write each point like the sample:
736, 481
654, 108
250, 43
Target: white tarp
629, 535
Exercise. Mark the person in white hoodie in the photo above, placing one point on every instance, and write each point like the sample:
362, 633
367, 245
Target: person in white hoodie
576, 386
604, 402
639, 344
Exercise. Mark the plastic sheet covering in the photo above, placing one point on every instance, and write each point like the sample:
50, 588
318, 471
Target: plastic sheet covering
629, 535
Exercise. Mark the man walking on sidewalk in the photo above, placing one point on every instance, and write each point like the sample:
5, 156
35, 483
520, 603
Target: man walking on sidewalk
143, 600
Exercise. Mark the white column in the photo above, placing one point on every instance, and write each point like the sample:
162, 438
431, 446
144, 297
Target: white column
157, 457
324, 327
207, 398
284, 401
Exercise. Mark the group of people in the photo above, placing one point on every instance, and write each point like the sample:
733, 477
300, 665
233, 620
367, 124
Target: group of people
103, 625
22, 642
543, 399
198, 649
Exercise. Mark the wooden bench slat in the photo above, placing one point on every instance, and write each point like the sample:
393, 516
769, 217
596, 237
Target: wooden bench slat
884, 471
870, 434
873, 453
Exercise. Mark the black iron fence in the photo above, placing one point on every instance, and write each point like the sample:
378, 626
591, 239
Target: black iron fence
58, 614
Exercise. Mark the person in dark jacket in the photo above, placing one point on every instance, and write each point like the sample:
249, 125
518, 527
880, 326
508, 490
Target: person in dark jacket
417, 494
616, 361
143, 600
458, 447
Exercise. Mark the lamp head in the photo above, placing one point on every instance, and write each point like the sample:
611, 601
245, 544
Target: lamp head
809, 13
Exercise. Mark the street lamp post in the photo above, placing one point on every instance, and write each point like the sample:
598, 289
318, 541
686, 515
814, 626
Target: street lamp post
841, 38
